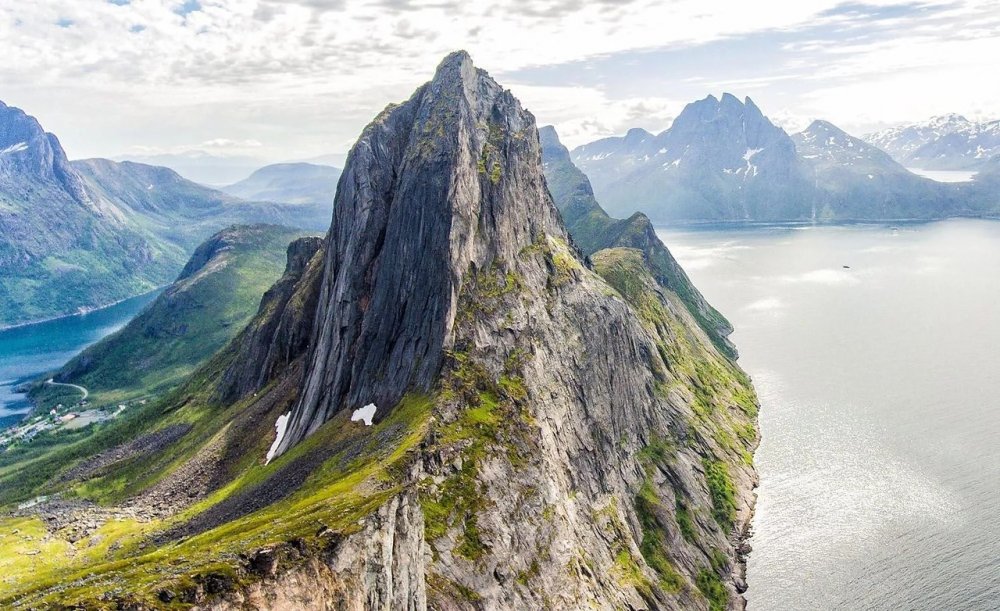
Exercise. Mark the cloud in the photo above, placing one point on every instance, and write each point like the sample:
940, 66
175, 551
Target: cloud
306, 75
829, 277
768, 304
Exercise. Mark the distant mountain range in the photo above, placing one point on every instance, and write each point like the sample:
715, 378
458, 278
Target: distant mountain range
200, 166
857, 180
78, 235
723, 160
947, 142
294, 183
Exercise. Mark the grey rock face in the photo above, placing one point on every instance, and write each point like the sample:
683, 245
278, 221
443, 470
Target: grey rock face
448, 274
443, 182
592, 230
283, 327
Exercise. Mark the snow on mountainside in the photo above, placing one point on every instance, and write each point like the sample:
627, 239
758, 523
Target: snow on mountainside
948, 142
823, 142
721, 159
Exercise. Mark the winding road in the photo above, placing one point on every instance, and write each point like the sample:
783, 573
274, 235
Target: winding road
85, 392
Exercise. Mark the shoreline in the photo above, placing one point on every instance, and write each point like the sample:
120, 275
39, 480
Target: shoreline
815, 223
112, 304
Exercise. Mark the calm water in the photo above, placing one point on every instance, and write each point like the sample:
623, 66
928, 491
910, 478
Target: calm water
26, 352
880, 392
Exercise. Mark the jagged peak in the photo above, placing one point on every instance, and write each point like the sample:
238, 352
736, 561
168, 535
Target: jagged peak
728, 98
548, 135
445, 182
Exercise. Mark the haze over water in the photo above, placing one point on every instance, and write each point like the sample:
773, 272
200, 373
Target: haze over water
880, 392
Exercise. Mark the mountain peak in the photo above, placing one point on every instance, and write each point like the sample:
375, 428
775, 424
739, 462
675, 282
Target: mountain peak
447, 182
819, 125
27, 151
456, 66
728, 98
636, 135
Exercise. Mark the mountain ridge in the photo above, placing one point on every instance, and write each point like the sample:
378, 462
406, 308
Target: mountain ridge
723, 160
77, 235
295, 183
563, 432
944, 142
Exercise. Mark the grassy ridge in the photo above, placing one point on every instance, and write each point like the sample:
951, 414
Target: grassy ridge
195, 317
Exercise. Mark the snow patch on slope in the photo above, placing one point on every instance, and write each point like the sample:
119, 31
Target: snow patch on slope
15, 148
365, 413
280, 426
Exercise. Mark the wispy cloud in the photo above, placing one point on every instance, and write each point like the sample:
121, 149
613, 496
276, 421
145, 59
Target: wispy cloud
304, 76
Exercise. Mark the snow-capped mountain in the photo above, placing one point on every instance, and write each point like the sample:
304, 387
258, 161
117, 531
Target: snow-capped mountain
823, 144
721, 159
855, 179
947, 142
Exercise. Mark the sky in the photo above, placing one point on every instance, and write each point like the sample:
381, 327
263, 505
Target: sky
274, 80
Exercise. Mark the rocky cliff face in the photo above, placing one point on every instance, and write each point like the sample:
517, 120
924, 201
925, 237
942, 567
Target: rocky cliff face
592, 230
588, 444
550, 431
437, 188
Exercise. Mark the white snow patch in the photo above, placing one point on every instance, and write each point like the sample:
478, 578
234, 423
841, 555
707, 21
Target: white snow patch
661, 151
365, 413
280, 426
747, 156
15, 148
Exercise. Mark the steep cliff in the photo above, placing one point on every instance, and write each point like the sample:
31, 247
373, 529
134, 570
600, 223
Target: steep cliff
588, 444
593, 230
548, 432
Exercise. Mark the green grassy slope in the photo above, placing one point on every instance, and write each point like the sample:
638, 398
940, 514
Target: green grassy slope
210, 302
593, 230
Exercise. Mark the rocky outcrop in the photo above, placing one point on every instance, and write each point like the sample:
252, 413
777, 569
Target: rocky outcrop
282, 329
592, 446
442, 183
592, 230
380, 567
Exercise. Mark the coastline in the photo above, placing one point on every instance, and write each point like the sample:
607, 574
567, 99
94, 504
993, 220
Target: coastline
83, 312
710, 224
